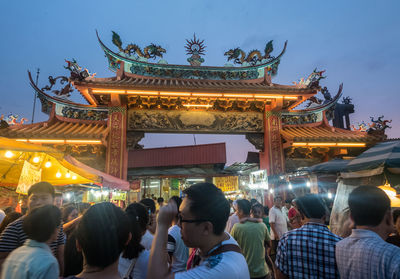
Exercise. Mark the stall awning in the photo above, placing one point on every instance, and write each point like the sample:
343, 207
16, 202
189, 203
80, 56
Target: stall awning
19, 159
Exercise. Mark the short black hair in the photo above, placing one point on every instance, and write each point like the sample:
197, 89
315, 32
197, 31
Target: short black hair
10, 217
244, 206
150, 204
102, 233
41, 187
312, 206
368, 205
277, 198
257, 205
142, 216
253, 202
207, 202
396, 214
160, 200
288, 201
41, 222
133, 249
177, 200
266, 210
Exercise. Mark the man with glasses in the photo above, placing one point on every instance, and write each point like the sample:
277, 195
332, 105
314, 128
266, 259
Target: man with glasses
203, 216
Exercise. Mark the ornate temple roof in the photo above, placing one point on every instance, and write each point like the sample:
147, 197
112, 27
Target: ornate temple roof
68, 132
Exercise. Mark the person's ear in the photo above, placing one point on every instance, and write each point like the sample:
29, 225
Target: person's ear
208, 228
129, 239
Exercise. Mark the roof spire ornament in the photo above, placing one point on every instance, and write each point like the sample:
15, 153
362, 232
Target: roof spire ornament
195, 47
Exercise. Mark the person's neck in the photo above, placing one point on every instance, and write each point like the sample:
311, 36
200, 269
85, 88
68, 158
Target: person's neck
378, 230
211, 243
95, 272
314, 220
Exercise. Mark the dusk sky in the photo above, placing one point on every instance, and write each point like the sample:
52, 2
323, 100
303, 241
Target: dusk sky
356, 42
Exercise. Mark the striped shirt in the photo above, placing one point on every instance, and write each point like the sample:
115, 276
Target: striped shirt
308, 252
364, 254
14, 236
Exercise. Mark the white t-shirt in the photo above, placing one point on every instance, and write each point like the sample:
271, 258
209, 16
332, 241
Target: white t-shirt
140, 269
178, 249
278, 217
230, 265
147, 240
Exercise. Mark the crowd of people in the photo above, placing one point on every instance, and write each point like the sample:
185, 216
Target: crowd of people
200, 236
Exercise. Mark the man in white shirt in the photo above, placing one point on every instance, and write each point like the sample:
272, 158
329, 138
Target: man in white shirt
278, 222
203, 215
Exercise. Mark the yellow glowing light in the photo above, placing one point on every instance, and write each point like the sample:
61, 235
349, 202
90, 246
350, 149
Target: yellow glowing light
84, 141
141, 92
108, 91
47, 164
36, 160
329, 144
67, 175
58, 174
206, 95
351, 144
46, 140
175, 93
76, 141
74, 177
239, 95
194, 105
9, 154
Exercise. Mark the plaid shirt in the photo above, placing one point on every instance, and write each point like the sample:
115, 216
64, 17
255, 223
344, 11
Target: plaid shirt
364, 254
308, 252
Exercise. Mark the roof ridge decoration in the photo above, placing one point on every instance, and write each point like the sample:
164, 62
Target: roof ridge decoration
253, 57
195, 47
141, 67
152, 51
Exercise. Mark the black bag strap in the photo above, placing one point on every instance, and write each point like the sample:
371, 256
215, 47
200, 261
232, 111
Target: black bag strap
226, 248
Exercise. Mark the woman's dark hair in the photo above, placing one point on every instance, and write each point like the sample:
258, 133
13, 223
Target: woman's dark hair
10, 217
83, 207
244, 206
133, 249
41, 222
141, 213
150, 204
257, 205
41, 187
177, 200
207, 202
102, 233
66, 211
368, 205
312, 206
253, 202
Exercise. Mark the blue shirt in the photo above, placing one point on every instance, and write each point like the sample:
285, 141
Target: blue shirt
308, 252
33, 260
364, 254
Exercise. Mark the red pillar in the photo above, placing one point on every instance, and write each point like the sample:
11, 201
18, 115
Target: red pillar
116, 158
272, 159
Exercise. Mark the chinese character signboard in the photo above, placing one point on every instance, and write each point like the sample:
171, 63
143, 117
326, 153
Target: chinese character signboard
227, 183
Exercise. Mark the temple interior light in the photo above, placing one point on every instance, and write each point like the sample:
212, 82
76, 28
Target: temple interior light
61, 141
74, 177
47, 164
197, 105
308, 184
9, 154
58, 174
68, 175
36, 160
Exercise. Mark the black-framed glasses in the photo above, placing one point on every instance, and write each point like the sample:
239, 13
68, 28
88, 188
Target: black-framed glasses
181, 220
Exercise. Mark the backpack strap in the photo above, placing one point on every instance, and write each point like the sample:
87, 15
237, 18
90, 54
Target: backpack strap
226, 248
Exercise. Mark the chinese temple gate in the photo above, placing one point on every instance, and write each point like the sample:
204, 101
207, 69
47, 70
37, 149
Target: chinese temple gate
146, 97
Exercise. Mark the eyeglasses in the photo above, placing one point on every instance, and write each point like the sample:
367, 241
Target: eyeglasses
181, 220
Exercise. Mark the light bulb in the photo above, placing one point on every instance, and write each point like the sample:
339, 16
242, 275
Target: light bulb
36, 160
9, 154
47, 164
290, 186
308, 184
74, 177
67, 175
271, 191
329, 195
58, 174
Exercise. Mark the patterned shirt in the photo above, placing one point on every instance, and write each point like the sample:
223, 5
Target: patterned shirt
14, 236
364, 254
308, 252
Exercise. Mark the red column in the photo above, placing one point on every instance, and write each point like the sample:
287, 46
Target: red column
116, 158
